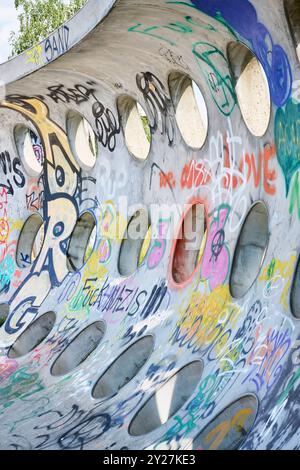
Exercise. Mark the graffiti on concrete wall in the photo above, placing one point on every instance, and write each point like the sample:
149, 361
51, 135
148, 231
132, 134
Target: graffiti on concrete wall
89, 303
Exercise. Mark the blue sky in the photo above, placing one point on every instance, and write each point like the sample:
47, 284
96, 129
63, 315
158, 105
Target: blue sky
8, 23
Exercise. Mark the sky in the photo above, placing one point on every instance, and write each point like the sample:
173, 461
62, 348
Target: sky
8, 23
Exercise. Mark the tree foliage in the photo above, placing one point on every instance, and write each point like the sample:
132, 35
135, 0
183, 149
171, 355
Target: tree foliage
38, 18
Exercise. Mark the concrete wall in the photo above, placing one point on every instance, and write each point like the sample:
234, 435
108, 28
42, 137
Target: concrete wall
196, 344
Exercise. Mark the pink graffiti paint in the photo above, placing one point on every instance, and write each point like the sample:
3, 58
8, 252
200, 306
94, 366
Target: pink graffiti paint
7, 368
104, 249
216, 257
159, 247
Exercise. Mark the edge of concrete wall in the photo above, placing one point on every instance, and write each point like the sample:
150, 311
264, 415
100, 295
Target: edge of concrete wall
65, 37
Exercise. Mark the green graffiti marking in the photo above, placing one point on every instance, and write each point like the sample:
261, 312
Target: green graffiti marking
295, 377
147, 31
212, 62
183, 27
218, 17
21, 384
76, 304
287, 140
295, 196
271, 269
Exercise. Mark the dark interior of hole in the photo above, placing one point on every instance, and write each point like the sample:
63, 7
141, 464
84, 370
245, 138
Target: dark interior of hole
79, 349
239, 57
4, 312
35, 333
20, 134
237, 420
73, 122
178, 83
189, 242
250, 251
125, 105
132, 244
91, 145
167, 400
124, 368
79, 241
292, 11
27, 239
137, 138
295, 292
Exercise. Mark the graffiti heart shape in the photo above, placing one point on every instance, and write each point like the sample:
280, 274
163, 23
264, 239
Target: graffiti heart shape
287, 139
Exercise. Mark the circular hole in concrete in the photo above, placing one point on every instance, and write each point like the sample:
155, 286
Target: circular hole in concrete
230, 428
190, 243
124, 368
295, 292
82, 140
252, 88
190, 108
136, 127
30, 241
4, 312
250, 250
82, 242
167, 400
79, 349
30, 149
134, 243
34, 335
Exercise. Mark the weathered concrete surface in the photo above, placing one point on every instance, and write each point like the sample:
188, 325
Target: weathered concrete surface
224, 316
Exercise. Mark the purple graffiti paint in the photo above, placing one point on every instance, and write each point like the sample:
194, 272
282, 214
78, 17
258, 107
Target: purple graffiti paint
272, 56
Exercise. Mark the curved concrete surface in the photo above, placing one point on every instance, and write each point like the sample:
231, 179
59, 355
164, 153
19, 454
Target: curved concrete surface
176, 338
